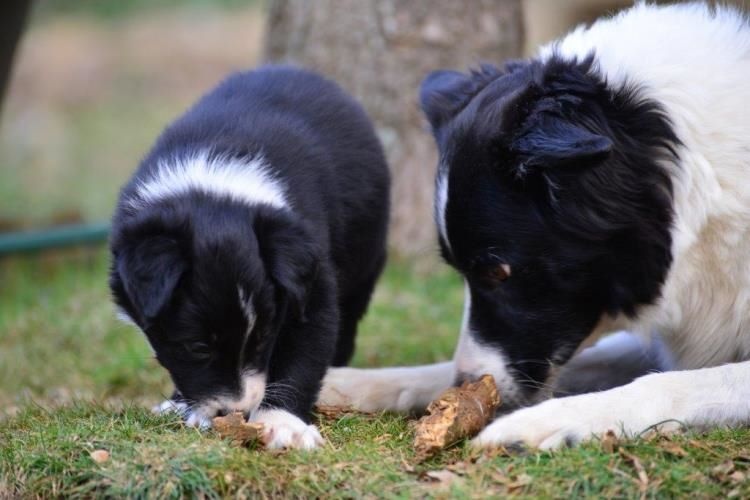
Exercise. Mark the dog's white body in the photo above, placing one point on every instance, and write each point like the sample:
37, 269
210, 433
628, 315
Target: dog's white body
696, 63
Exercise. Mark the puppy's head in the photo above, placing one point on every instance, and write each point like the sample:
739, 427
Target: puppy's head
211, 288
553, 202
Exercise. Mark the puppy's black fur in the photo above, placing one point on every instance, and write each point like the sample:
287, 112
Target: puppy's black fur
559, 178
183, 264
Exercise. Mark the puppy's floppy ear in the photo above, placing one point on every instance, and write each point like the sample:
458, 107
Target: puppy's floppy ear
550, 141
150, 271
291, 258
442, 94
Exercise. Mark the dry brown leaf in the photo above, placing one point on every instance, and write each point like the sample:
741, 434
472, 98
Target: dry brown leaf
722, 471
738, 476
234, 427
521, 481
99, 456
457, 414
639, 469
383, 437
609, 441
460, 468
673, 448
442, 477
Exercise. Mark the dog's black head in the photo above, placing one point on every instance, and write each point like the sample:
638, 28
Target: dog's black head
211, 282
553, 203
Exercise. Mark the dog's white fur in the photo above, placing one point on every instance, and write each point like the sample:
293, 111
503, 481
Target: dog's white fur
441, 200
245, 180
281, 429
695, 62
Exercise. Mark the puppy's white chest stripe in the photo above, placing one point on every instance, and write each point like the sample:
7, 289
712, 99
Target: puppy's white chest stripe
246, 180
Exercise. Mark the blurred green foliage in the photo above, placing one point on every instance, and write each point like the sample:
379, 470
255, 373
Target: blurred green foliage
114, 9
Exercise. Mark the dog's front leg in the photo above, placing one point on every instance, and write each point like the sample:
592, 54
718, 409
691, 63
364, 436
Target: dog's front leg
705, 398
400, 389
301, 355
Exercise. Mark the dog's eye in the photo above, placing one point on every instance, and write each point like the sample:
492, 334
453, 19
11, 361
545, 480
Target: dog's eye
490, 271
199, 349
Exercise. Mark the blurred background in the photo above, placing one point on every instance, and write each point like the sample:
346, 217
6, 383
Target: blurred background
94, 82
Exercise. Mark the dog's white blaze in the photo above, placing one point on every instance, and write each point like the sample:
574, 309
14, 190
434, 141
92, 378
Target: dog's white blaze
253, 385
473, 358
246, 180
441, 200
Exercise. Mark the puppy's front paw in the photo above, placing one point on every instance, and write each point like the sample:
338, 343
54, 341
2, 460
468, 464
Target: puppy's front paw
194, 417
170, 406
198, 419
284, 430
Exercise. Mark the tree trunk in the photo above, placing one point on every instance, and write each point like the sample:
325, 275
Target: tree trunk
379, 50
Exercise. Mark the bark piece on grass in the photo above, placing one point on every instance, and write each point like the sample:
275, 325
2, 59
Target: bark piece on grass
459, 413
240, 432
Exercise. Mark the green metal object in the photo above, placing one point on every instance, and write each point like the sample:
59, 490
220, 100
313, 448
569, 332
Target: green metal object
63, 236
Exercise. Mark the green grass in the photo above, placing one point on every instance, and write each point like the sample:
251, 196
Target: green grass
73, 380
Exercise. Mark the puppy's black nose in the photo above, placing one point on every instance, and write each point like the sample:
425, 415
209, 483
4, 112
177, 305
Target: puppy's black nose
222, 412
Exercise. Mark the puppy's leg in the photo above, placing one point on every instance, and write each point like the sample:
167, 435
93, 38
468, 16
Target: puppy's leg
708, 397
353, 307
404, 389
299, 360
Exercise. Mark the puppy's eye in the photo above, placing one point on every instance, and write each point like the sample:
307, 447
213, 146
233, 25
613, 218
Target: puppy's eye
200, 350
491, 271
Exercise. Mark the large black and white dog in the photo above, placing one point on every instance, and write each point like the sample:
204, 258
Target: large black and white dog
604, 184
247, 244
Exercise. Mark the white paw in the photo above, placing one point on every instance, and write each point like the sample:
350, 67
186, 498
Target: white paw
170, 406
626, 411
284, 430
202, 418
196, 418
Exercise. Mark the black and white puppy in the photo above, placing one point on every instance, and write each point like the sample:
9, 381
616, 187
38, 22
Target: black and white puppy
604, 184
247, 245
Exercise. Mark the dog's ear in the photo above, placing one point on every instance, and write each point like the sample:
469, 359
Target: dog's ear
442, 94
551, 141
150, 271
291, 258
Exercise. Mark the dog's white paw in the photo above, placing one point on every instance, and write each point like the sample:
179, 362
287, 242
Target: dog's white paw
195, 417
284, 430
170, 406
198, 419
626, 411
